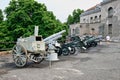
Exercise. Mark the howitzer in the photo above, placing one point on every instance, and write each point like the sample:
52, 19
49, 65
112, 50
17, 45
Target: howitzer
53, 40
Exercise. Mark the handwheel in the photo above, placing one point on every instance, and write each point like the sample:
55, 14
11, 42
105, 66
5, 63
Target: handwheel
19, 55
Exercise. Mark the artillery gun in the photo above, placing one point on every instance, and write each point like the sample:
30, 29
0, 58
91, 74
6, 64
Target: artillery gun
79, 43
32, 48
53, 41
90, 41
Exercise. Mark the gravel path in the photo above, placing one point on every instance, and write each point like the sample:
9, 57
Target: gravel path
99, 63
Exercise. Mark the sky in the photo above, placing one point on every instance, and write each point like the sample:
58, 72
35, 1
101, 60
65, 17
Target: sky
61, 8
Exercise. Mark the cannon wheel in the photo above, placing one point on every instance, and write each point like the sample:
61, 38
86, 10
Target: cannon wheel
19, 55
73, 50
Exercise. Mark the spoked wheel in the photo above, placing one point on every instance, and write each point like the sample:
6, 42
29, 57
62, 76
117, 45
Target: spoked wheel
19, 55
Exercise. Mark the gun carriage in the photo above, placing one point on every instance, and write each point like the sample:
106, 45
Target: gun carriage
32, 48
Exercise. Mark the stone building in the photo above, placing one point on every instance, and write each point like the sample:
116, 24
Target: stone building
110, 17
102, 19
90, 20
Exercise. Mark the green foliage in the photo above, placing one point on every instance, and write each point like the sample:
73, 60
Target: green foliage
75, 17
1, 16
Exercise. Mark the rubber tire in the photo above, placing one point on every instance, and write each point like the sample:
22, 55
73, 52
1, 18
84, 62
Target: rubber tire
65, 51
73, 50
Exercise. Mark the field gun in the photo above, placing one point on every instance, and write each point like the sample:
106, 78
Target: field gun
33, 48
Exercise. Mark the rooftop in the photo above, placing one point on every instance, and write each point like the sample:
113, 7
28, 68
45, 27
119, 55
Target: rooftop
94, 9
107, 1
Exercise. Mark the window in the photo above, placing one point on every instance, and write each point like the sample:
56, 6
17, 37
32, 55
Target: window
93, 29
99, 16
110, 29
110, 12
95, 18
91, 18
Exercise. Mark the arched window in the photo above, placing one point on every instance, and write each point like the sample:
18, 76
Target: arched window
91, 18
99, 16
95, 19
93, 31
110, 12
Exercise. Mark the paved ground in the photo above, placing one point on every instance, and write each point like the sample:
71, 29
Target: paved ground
99, 63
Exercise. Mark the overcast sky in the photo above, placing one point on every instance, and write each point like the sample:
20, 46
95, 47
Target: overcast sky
61, 8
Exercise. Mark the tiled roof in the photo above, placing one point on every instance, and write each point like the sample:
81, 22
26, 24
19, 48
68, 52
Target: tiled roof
92, 10
107, 1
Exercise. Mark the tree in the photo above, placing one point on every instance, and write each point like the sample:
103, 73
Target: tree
75, 17
23, 15
1, 16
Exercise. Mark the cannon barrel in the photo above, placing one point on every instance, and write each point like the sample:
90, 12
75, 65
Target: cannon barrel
54, 36
53, 39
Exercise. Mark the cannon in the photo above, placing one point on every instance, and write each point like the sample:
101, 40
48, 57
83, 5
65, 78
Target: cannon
32, 48
53, 40
90, 41
68, 48
79, 43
